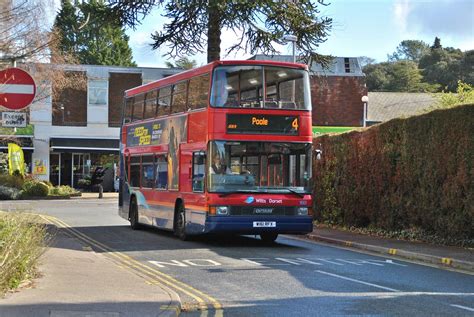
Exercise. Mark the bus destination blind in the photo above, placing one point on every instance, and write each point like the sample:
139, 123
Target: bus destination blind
262, 124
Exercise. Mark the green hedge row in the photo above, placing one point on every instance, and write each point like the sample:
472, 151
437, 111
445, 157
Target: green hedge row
414, 173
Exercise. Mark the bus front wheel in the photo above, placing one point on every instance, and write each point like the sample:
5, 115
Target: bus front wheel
180, 223
133, 215
268, 237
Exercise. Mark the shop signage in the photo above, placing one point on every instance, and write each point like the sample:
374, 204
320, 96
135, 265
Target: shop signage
14, 119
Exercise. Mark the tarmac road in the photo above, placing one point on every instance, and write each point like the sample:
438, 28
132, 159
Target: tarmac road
241, 276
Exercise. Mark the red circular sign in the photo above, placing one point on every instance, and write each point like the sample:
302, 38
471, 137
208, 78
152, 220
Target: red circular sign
17, 88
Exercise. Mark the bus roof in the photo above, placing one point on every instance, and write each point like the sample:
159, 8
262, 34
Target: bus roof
205, 69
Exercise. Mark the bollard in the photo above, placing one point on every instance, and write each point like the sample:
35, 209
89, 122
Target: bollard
101, 191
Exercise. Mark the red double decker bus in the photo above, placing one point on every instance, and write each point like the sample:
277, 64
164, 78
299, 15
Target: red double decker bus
223, 148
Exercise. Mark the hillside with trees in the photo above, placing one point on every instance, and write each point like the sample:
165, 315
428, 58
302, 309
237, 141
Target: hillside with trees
417, 67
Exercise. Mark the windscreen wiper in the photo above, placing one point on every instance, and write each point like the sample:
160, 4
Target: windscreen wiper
240, 191
296, 192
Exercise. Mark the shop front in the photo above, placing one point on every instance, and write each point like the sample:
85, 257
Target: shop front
73, 161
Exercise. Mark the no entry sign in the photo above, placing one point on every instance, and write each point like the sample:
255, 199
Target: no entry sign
17, 88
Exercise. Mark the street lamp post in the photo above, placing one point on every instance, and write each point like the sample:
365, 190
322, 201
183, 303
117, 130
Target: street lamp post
292, 39
365, 100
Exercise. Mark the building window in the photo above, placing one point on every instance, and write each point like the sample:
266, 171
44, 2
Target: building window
97, 90
134, 176
148, 175
347, 65
198, 92
161, 175
199, 160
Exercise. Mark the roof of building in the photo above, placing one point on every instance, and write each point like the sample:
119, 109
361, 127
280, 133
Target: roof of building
383, 106
341, 66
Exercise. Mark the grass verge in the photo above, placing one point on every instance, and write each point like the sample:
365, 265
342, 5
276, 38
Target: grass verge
22, 241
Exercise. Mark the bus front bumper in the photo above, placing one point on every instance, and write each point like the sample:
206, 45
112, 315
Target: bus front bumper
257, 225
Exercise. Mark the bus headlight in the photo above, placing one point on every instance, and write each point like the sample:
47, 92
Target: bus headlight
302, 211
222, 210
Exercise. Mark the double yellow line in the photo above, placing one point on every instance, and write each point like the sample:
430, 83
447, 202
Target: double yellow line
153, 276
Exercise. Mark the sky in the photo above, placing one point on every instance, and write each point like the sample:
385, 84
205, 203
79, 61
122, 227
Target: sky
370, 28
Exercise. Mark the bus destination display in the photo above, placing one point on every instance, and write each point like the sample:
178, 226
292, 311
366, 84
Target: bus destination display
262, 124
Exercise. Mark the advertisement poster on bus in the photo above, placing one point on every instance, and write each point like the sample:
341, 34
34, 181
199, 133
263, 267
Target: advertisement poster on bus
171, 131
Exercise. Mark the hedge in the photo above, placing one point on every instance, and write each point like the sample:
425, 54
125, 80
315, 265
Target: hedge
413, 173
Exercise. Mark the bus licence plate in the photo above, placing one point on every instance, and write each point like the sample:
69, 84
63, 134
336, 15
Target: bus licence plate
266, 224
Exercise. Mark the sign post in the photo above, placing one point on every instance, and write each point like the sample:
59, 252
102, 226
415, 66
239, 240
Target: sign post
17, 88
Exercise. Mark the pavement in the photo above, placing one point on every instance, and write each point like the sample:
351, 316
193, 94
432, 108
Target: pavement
105, 195
77, 282
442, 256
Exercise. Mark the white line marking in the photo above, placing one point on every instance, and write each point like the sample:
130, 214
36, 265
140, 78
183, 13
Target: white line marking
335, 263
349, 262
358, 281
463, 307
16, 89
368, 262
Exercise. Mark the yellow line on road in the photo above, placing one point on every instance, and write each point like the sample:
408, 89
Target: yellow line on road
159, 277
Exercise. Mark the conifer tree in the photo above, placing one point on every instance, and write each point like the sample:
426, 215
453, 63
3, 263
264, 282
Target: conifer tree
90, 31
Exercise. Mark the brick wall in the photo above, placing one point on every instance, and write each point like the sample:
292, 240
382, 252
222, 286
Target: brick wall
337, 101
118, 83
69, 100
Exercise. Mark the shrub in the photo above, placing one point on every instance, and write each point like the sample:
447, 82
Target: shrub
35, 189
9, 193
22, 240
62, 191
406, 174
12, 180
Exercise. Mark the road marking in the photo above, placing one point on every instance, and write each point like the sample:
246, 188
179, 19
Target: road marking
335, 263
368, 262
195, 262
158, 278
261, 261
391, 262
164, 264
187, 263
358, 281
297, 261
463, 307
349, 262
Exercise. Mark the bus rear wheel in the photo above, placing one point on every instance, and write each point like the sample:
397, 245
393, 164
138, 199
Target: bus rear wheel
180, 223
268, 237
133, 214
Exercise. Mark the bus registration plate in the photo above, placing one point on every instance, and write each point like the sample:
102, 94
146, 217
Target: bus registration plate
265, 224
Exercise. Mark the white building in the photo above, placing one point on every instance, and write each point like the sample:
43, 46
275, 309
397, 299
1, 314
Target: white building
77, 129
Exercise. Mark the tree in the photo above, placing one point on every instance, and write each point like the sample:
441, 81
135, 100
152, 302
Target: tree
436, 44
406, 77
183, 62
376, 76
365, 60
399, 76
25, 40
410, 50
258, 25
443, 66
93, 33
